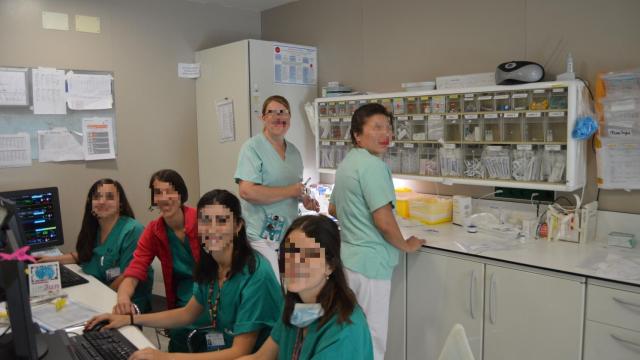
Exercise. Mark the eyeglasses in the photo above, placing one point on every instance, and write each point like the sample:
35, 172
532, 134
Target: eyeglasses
281, 112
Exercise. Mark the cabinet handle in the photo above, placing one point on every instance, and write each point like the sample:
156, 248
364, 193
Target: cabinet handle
472, 294
624, 302
492, 299
627, 343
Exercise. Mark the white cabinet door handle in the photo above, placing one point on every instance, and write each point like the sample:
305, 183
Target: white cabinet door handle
472, 294
625, 302
492, 299
627, 343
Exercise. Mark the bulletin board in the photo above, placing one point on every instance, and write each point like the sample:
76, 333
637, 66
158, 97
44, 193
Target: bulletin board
19, 117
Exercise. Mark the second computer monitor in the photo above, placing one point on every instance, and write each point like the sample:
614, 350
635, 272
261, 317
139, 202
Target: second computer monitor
39, 214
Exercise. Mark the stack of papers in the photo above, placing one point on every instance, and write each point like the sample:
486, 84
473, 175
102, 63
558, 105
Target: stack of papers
72, 314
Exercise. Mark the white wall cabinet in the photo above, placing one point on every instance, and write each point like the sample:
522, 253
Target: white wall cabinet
442, 291
507, 312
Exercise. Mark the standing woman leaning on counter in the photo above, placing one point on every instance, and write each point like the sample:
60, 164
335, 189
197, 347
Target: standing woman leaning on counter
363, 199
173, 238
269, 175
107, 239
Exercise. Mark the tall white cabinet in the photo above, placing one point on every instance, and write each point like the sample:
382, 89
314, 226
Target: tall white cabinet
508, 312
243, 72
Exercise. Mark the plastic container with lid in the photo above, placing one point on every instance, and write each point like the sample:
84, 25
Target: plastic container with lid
431, 209
419, 86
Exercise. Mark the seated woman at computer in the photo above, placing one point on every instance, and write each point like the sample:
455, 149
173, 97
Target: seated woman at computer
321, 317
173, 239
107, 239
235, 288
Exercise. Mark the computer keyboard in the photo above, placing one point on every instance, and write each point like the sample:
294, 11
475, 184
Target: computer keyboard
107, 344
69, 277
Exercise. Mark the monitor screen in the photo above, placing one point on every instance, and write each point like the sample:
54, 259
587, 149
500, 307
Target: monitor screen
39, 214
24, 342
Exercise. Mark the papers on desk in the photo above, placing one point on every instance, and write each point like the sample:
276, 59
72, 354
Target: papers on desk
480, 245
72, 314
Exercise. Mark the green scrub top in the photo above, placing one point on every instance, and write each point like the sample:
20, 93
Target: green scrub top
333, 341
363, 184
248, 302
260, 163
112, 257
183, 266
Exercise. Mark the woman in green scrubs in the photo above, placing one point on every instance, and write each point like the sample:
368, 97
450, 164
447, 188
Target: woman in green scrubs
321, 318
235, 287
107, 239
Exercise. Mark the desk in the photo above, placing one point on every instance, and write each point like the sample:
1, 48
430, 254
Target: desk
100, 297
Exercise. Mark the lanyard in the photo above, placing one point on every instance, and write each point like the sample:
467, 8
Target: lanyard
213, 307
297, 347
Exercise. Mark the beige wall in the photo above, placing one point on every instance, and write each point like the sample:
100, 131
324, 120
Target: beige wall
141, 42
376, 45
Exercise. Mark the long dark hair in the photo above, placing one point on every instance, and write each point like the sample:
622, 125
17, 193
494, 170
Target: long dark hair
87, 238
207, 269
335, 297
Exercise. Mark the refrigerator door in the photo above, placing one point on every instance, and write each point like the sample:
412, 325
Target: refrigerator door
262, 85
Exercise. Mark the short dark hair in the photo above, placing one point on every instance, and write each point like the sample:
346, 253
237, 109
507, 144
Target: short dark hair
335, 297
173, 178
360, 116
87, 238
207, 269
275, 98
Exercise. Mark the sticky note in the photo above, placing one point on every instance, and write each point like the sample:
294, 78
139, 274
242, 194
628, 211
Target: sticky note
55, 21
88, 24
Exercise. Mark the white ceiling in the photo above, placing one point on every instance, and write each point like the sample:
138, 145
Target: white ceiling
253, 5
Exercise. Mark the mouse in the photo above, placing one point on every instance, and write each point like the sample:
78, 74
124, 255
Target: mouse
98, 326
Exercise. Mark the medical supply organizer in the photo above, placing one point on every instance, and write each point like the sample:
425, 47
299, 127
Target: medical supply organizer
511, 136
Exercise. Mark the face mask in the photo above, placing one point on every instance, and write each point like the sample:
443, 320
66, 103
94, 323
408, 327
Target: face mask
304, 314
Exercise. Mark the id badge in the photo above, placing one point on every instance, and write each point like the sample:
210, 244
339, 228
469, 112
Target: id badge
112, 273
215, 340
272, 228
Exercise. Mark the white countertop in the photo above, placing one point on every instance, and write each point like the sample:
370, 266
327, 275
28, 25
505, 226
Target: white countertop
595, 260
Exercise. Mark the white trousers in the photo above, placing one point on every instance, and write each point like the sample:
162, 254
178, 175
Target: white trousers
269, 252
373, 296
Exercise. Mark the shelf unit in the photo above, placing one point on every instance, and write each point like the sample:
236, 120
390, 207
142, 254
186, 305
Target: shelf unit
474, 129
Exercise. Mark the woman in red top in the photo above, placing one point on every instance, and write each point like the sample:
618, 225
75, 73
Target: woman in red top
173, 238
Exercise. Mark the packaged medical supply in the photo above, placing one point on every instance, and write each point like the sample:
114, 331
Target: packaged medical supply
431, 209
621, 239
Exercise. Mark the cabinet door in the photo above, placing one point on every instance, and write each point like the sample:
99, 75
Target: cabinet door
609, 342
532, 316
396, 336
442, 291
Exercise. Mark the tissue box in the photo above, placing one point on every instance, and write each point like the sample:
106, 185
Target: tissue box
621, 239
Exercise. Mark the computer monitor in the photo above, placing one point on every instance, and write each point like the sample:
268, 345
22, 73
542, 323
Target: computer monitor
25, 340
39, 214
